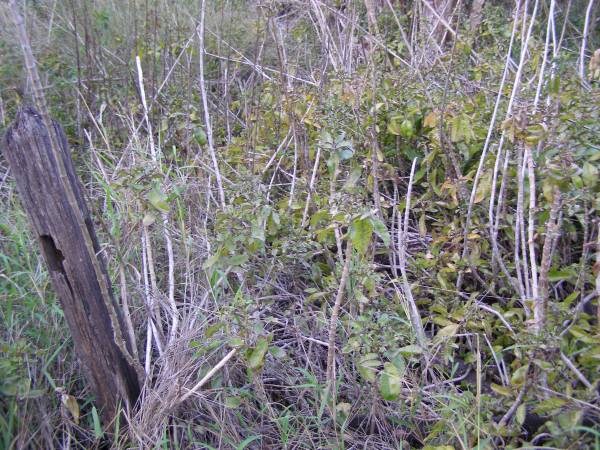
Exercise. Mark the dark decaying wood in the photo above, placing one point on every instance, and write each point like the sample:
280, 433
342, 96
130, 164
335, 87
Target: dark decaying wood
61, 221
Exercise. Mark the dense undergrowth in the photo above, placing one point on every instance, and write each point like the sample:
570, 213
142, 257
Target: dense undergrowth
457, 153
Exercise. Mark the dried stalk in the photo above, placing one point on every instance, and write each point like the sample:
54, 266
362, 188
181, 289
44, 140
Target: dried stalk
126, 312
292, 188
208, 376
541, 305
520, 241
414, 315
586, 26
138, 63
531, 230
598, 280
576, 371
207, 123
311, 186
166, 233
511, 411
330, 377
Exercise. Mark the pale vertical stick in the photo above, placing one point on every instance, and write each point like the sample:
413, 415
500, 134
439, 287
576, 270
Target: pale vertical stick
2, 114
478, 390
552, 232
402, 32
171, 277
545, 59
151, 328
520, 241
126, 312
148, 351
598, 281
291, 200
209, 134
415, 318
588, 12
145, 105
330, 377
166, 232
531, 225
311, 185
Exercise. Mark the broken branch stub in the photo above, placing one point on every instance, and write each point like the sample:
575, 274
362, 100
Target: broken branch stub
53, 198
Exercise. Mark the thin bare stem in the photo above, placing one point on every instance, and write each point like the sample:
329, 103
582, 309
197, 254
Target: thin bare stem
576, 371
586, 27
311, 185
208, 376
414, 315
330, 377
207, 122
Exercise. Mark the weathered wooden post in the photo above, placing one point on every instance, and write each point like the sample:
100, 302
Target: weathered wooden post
52, 195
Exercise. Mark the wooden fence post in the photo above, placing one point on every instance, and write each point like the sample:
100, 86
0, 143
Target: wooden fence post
52, 196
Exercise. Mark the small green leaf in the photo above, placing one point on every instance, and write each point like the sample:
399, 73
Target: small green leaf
545, 365
232, 402
316, 296
277, 352
410, 350
345, 154
98, 433
381, 230
570, 298
390, 382
394, 128
502, 390
550, 404
558, 275
247, 442
422, 226
32, 393
326, 139
400, 364
360, 234
212, 329
211, 261
456, 131
343, 408
257, 356
568, 420
236, 342
352, 179
554, 85
367, 366
333, 162
158, 199
589, 174
447, 331
149, 219
520, 415
519, 375
200, 136
407, 128
237, 260
71, 404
